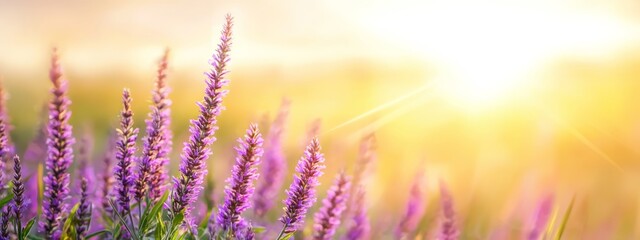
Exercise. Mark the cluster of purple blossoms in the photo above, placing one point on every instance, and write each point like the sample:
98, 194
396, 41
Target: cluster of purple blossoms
328, 218
187, 187
302, 192
126, 148
275, 164
59, 153
240, 185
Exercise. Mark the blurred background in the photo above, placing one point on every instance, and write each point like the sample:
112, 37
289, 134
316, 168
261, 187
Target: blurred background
506, 101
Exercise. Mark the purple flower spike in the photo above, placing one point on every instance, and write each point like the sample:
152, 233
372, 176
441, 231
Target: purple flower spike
360, 228
302, 192
328, 218
126, 148
83, 215
448, 228
161, 104
240, 184
196, 150
59, 153
541, 218
5, 213
149, 160
275, 163
19, 201
107, 174
4, 143
415, 208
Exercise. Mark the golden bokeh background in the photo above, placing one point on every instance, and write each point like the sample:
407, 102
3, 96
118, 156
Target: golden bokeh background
506, 101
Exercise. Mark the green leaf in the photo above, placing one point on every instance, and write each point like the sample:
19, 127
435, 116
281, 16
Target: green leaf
34, 237
122, 221
286, 236
565, 219
4, 201
202, 227
95, 234
68, 229
27, 228
146, 220
258, 229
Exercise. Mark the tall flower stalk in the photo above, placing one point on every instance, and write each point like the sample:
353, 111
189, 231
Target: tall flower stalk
149, 158
328, 218
415, 208
161, 104
126, 148
448, 229
188, 185
302, 192
275, 164
4, 142
240, 188
107, 174
360, 227
541, 219
19, 200
83, 215
59, 153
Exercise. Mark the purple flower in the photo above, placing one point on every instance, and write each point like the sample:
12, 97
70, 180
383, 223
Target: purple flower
150, 151
301, 193
541, 218
4, 142
366, 156
4, 223
448, 228
275, 164
59, 153
161, 103
6, 127
19, 201
196, 150
125, 150
415, 208
240, 184
83, 215
360, 227
327, 219
107, 173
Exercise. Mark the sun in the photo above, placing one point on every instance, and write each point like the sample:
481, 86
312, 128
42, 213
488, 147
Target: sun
488, 53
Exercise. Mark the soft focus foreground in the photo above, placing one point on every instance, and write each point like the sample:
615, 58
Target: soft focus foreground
489, 118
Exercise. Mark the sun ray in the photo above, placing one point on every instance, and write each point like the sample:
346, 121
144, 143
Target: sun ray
384, 106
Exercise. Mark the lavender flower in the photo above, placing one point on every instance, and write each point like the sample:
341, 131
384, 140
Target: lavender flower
327, 219
19, 200
415, 209
275, 163
150, 151
4, 223
83, 215
59, 153
107, 174
4, 143
162, 104
240, 184
6, 127
360, 227
366, 157
126, 148
448, 228
301, 193
196, 150
541, 218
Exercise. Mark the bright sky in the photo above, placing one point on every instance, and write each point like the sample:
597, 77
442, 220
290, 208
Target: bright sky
465, 39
